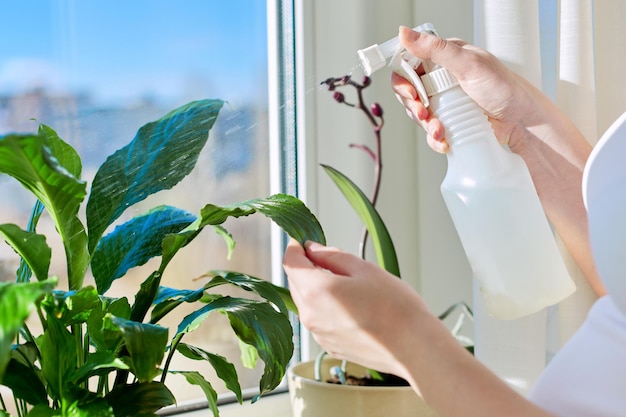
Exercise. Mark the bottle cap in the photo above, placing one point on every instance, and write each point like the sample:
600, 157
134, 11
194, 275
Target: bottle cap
438, 81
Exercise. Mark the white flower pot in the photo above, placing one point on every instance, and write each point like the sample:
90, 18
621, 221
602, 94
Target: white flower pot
311, 398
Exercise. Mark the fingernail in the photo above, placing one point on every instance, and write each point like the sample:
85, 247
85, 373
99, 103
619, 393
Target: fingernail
312, 245
405, 92
408, 33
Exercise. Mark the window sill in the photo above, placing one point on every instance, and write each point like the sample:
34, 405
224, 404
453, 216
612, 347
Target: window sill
277, 405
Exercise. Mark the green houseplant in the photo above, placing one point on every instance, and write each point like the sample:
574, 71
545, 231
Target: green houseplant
100, 355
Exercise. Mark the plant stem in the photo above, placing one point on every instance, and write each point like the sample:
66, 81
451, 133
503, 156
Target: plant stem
20, 406
377, 125
170, 354
378, 168
77, 330
26, 334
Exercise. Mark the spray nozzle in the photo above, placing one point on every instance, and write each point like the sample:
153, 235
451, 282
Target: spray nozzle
392, 54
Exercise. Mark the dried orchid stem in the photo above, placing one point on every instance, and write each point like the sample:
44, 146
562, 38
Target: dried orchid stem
375, 116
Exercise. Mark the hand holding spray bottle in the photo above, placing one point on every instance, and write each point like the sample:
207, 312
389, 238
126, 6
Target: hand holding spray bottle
488, 191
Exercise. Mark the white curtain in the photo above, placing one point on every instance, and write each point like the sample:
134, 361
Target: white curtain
575, 50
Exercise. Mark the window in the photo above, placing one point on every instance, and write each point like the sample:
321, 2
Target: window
96, 71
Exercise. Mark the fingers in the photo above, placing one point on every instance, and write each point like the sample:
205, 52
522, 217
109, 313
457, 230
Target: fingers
438, 145
303, 275
300, 270
315, 256
407, 96
295, 256
333, 259
440, 51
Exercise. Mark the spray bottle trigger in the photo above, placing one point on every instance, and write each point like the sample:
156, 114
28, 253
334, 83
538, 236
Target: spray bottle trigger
407, 70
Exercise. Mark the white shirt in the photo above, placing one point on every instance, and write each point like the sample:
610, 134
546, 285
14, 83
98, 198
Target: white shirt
588, 375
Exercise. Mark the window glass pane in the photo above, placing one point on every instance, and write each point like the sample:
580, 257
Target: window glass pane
96, 71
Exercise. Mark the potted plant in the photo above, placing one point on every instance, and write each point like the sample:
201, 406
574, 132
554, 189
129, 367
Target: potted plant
109, 356
332, 388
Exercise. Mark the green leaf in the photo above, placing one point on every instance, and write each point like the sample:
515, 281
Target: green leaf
168, 299
383, 245
257, 324
258, 286
146, 345
28, 160
249, 355
103, 334
98, 363
142, 398
30, 246
159, 157
58, 356
24, 382
228, 238
73, 307
285, 210
62, 151
24, 272
135, 242
145, 296
174, 242
195, 378
43, 411
18, 300
96, 407
26, 353
225, 370
285, 294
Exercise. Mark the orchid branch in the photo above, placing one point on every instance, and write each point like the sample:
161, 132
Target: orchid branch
374, 114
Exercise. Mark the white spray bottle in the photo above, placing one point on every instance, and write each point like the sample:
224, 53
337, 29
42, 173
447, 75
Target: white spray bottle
489, 193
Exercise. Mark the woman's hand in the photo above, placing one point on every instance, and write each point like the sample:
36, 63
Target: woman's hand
358, 312
522, 117
508, 99
354, 309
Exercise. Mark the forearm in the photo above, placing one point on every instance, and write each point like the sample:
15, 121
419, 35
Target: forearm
451, 381
556, 152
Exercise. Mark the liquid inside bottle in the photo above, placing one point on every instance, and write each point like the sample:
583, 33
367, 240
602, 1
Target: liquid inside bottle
497, 214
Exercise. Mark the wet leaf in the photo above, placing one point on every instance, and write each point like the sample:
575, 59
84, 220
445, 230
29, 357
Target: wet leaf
257, 324
162, 153
27, 159
30, 246
135, 242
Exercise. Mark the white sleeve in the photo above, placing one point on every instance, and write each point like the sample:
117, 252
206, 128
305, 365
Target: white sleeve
588, 375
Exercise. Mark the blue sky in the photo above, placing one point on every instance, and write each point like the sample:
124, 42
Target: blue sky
117, 49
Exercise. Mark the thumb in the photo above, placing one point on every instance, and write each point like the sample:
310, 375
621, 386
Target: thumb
333, 259
433, 48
